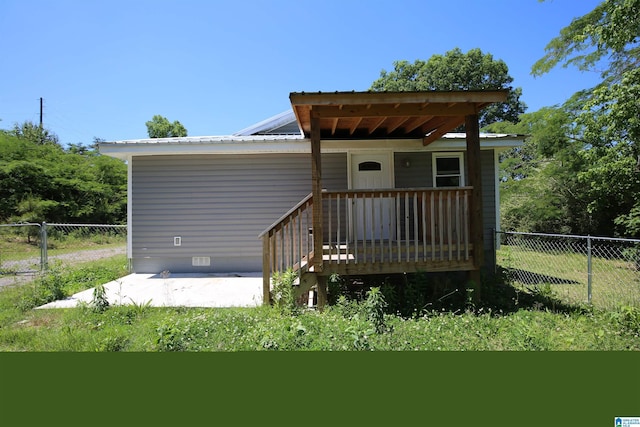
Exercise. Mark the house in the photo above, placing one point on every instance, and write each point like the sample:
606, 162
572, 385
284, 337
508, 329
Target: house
348, 182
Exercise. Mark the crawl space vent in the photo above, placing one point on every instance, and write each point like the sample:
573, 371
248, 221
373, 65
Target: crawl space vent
201, 261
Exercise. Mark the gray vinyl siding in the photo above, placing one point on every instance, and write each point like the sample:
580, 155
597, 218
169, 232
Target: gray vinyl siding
419, 174
334, 172
334, 178
217, 204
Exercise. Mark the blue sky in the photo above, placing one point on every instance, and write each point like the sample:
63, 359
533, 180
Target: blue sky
104, 68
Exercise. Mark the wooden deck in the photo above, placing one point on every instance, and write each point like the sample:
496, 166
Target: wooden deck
374, 232
387, 257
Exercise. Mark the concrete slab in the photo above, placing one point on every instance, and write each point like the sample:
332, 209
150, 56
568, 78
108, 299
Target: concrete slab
177, 290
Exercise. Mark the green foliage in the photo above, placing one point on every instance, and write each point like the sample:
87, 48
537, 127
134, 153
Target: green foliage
628, 318
527, 324
99, 302
374, 307
34, 133
456, 70
611, 28
161, 127
283, 292
597, 151
44, 289
43, 182
560, 182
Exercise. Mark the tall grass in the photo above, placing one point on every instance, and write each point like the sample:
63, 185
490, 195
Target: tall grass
364, 319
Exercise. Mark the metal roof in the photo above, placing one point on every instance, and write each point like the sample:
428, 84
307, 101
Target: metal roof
355, 115
271, 125
372, 115
207, 139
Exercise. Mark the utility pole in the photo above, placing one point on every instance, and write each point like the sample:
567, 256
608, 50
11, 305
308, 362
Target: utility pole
41, 128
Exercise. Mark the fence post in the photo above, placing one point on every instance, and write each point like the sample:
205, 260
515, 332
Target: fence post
589, 272
44, 261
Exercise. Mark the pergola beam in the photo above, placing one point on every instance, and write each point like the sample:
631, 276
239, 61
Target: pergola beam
383, 110
354, 98
474, 176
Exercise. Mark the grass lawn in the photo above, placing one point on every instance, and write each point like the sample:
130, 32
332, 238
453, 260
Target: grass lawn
614, 282
509, 319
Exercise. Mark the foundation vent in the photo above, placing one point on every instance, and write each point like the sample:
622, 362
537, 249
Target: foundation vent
201, 261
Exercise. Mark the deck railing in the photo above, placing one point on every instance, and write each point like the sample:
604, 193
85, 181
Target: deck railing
396, 225
373, 226
288, 241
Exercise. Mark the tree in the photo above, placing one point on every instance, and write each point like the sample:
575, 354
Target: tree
44, 182
533, 188
610, 30
607, 40
456, 70
161, 127
34, 133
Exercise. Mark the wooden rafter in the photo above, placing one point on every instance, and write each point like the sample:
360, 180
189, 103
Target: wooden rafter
355, 124
395, 123
334, 125
376, 125
417, 122
448, 126
390, 114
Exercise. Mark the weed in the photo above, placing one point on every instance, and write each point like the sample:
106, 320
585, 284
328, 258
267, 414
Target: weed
627, 318
112, 343
360, 334
283, 293
335, 288
44, 289
99, 303
374, 307
345, 307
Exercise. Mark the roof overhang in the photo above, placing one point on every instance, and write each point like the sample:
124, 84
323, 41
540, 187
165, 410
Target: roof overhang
370, 115
225, 145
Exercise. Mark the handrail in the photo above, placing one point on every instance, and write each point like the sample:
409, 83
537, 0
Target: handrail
286, 215
395, 190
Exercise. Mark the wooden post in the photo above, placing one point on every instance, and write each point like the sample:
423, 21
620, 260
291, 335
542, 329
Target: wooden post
316, 184
474, 176
322, 292
266, 270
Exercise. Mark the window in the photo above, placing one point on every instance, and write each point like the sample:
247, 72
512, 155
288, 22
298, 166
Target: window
370, 166
448, 170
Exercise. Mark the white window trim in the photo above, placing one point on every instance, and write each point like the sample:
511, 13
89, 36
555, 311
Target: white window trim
440, 155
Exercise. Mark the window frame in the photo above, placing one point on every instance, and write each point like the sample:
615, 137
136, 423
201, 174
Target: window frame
434, 167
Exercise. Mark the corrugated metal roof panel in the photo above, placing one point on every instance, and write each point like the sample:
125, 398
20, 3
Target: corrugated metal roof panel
279, 124
207, 139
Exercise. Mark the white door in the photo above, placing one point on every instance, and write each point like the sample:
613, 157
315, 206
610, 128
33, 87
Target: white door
372, 218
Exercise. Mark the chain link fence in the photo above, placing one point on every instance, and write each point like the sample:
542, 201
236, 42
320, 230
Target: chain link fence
601, 271
30, 248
